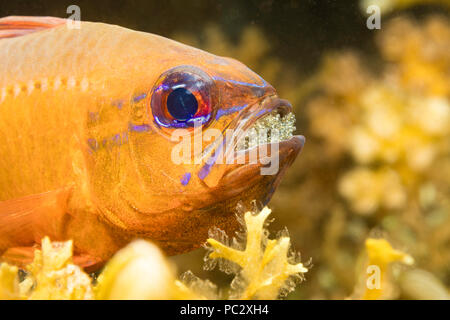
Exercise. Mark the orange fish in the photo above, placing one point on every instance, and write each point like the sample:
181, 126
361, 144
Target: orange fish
88, 118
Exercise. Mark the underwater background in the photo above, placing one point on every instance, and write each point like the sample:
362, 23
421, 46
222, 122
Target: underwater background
374, 106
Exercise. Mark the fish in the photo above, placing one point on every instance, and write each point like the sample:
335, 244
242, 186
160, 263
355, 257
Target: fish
90, 121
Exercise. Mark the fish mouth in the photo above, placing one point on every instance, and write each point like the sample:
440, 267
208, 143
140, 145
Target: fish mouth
267, 136
264, 124
274, 123
263, 130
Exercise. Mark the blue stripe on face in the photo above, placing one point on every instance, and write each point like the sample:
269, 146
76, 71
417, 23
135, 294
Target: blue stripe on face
139, 128
109, 142
139, 97
243, 83
223, 112
206, 169
185, 179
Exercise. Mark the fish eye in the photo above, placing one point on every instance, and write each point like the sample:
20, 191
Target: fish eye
182, 97
182, 104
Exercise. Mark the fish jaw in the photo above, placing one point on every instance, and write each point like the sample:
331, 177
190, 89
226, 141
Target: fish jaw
183, 229
240, 177
241, 125
242, 186
241, 183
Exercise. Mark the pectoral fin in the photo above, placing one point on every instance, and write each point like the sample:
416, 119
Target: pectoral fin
25, 221
87, 262
22, 256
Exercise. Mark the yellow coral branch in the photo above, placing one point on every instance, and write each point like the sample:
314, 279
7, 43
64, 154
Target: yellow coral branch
265, 268
381, 255
222, 251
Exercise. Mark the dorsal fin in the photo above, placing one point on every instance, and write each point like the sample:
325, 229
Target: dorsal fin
16, 26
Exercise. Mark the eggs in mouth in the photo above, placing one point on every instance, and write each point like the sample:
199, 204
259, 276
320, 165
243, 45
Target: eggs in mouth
271, 128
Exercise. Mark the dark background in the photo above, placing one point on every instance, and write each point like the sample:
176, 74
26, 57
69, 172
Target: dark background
299, 31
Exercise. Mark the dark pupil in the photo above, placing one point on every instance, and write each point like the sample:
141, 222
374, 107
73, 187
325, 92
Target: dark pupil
182, 104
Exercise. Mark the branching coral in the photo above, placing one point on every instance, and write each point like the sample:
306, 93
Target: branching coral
380, 256
51, 275
266, 267
388, 274
54, 276
141, 271
9, 283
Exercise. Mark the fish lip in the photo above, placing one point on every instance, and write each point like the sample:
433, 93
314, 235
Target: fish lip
265, 107
287, 150
296, 142
242, 177
244, 121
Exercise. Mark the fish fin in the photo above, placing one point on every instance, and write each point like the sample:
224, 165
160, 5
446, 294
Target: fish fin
25, 221
22, 256
87, 262
19, 256
16, 26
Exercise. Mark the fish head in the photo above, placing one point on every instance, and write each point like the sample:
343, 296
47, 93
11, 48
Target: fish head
218, 136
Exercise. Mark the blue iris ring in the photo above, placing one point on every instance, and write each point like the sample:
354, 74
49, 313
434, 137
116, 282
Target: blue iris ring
179, 97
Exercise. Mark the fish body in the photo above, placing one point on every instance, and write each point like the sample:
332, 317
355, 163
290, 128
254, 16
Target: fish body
84, 156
